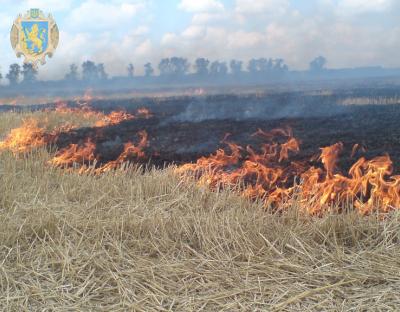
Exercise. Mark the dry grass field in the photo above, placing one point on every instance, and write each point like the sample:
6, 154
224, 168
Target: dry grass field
147, 241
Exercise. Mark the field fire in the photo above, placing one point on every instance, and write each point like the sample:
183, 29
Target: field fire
260, 158
201, 201
208, 155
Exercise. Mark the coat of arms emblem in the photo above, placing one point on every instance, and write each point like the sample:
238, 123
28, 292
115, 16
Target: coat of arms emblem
34, 36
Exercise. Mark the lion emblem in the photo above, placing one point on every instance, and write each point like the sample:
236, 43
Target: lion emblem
34, 36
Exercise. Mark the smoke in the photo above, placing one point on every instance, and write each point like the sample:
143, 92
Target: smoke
261, 107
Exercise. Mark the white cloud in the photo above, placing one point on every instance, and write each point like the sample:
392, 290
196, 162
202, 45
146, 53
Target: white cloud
361, 6
169, 38
83, 46
16, 7
5, 22
141, 31
247, 40
193, 32
94, 14
47, 6
74, 49
211, 42
144, 49
272, 28
209, 18
201, 5
261, 6
117, 32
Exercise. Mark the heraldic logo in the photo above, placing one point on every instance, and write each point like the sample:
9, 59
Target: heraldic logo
34, 36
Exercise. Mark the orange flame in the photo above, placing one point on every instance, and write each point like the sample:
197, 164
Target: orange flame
25, 138
84, 111
265, 172
87, 112
30, 135
114, 118
74, 154
130, 152
368, 186
143, 112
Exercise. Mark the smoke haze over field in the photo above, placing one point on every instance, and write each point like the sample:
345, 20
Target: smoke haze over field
349, 33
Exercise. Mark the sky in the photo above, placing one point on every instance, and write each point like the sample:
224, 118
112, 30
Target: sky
349, 33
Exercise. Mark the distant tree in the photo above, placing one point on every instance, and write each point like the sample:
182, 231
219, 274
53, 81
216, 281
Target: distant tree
267, 66
73, 73
218, 68
174, 66
131, 70
90, 71
318, 64
279, 66
29, 73
148, 70
180, 66
164, 67
201, 66
261, 65
102, 72
236, 67
253, 66
13, 74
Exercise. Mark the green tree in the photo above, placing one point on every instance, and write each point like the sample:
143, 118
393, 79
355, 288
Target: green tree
13, 74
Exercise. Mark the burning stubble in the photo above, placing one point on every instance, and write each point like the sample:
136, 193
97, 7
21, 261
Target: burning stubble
265, 172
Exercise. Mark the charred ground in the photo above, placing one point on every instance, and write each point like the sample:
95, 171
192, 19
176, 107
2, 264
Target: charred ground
182, 129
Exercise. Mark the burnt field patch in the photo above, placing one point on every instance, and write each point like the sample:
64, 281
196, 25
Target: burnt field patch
182, 129
329, 153
173, 139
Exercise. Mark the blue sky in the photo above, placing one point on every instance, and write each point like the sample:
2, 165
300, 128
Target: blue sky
115, 32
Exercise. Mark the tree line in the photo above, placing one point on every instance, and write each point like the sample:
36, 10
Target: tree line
171, 68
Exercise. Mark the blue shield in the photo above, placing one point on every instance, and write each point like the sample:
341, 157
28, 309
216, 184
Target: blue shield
35, 36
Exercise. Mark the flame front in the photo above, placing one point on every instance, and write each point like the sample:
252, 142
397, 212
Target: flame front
267, 172
23, 139
271, 176
75, 154
114, 118
130, 153
30, 135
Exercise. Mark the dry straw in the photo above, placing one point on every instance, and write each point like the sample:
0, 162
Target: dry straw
128, 241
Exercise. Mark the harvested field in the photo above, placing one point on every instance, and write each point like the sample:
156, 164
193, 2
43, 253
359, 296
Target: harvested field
147, 240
